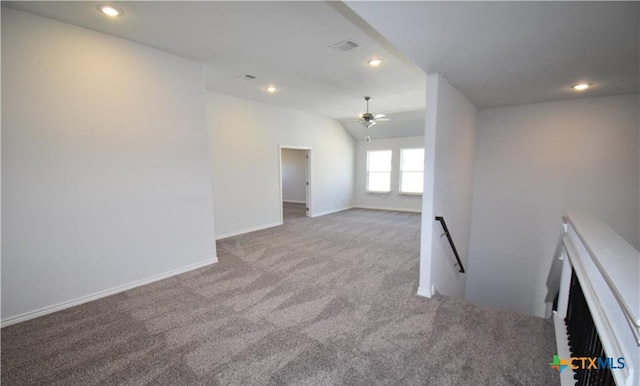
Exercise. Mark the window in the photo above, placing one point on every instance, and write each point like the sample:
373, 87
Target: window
379, 171
411, 171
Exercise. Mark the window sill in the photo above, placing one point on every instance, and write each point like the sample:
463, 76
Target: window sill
378, 193
410, 194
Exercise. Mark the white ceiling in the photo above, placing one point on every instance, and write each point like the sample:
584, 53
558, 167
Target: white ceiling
510, 53
281, 43
495, 53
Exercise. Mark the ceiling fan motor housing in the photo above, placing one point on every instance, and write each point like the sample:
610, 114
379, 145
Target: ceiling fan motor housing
367, 117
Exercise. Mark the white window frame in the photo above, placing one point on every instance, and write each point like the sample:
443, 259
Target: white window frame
390, 151
410, 171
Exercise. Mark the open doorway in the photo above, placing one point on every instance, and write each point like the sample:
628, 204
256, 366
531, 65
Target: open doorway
295, 182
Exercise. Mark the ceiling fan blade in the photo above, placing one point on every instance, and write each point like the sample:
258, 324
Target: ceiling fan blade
379, 116
383, 119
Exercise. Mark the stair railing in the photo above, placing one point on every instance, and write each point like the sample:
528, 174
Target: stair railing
594, 279
453, 246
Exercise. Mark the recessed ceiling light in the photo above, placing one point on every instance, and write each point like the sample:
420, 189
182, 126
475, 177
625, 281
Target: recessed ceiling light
110, 10
375, 62
271, 89
581, 86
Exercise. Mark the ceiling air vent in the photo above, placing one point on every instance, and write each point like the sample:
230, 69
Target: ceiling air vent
344, 46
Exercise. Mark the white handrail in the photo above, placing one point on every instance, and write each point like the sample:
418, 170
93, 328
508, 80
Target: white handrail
608, 269
617, 261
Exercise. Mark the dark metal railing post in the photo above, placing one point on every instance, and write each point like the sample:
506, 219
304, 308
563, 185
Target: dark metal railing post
453, 247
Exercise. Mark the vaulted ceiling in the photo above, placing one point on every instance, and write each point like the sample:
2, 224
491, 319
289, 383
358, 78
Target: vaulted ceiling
495, 53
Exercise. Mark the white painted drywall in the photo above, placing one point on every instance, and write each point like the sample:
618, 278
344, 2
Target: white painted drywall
245, 139
532, 163
105, 169
392, 200
451, 118
294, 175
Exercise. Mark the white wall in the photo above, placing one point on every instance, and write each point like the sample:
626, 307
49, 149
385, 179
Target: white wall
450, 137
393, 200
532, 163
245, 137
105, 170
294, 175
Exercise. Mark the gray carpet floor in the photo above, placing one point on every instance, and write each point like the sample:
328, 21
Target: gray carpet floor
293, 211
323, 301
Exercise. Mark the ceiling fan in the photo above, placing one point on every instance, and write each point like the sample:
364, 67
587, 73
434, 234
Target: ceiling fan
369, 119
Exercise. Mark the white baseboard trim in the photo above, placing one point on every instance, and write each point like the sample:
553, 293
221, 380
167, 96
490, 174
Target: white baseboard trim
331, 211
424, 292
101, 294
387, 208
248, 230
294, 202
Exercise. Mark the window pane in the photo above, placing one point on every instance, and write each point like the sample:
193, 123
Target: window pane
379, 182
379, 161
412, 160
412, 182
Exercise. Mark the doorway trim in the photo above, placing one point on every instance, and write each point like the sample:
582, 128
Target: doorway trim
309, 173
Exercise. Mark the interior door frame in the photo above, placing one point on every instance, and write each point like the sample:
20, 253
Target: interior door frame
309, 175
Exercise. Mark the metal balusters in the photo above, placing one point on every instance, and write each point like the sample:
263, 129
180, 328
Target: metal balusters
583, 337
